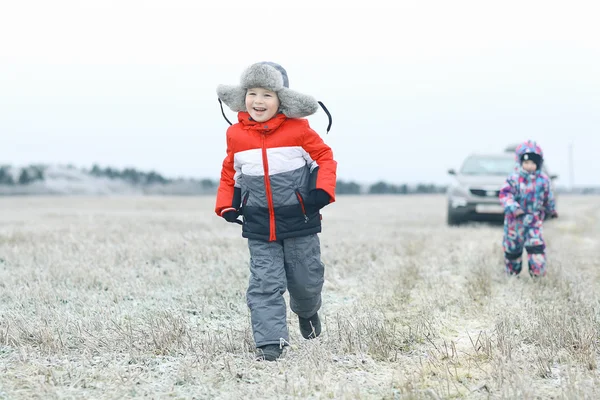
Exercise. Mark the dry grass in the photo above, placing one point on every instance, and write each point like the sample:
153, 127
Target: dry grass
145, 297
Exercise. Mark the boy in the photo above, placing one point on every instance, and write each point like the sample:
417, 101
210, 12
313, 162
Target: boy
278, 174
527, 198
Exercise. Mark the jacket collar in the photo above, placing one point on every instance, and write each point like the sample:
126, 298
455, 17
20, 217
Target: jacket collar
263, 127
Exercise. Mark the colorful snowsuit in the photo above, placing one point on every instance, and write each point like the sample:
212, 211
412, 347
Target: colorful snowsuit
532, 194
267, 174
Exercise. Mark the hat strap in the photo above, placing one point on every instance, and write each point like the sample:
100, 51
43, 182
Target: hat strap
328, 115
223, 112
320, 103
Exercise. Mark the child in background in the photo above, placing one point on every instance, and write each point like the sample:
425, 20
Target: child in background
278, 174
527, 198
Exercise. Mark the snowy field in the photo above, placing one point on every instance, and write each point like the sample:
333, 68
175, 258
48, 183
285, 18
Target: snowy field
144, 297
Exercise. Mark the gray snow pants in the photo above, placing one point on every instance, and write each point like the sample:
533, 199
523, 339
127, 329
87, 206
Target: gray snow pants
293, 263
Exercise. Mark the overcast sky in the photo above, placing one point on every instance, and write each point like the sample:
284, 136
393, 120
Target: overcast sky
413, 87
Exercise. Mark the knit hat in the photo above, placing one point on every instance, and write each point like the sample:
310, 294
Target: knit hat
271, 76
529, 150
536, 158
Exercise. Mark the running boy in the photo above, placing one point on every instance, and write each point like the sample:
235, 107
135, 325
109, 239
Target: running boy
278, 174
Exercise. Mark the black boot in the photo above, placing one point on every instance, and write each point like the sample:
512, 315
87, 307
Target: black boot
310, 328
269, 352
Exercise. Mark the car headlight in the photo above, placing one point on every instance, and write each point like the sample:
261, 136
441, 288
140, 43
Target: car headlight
458, 191
458, 202
457, 196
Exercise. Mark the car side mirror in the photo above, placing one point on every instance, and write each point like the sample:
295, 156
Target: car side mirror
451, 171
553, 177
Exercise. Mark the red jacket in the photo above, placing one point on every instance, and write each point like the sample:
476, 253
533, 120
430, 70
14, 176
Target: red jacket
272, 166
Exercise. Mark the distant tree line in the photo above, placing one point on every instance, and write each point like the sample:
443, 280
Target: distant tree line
24, 176
136, 177
32, 173
343, 187
11, 176
130, 175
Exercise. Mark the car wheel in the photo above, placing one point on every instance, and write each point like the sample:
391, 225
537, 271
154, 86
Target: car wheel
452, 219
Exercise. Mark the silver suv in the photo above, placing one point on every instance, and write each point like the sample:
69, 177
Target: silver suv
473, 196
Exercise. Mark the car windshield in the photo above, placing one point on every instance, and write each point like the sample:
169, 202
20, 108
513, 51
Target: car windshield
481, 165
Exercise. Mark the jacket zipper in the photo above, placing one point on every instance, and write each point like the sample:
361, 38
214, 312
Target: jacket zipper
244, 202
302, 205
272, 236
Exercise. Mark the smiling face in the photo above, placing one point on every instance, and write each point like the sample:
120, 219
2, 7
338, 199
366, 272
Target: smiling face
262, 104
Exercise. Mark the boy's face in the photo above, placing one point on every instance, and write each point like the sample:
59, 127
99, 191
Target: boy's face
529, 166
262, 104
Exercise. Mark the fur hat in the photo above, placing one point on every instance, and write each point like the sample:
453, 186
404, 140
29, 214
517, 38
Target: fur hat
271, 76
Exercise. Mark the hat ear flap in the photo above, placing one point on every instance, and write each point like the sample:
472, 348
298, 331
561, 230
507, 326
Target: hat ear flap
296, 105
233, 96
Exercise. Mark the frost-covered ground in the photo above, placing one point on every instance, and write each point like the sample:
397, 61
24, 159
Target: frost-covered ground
144, 297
